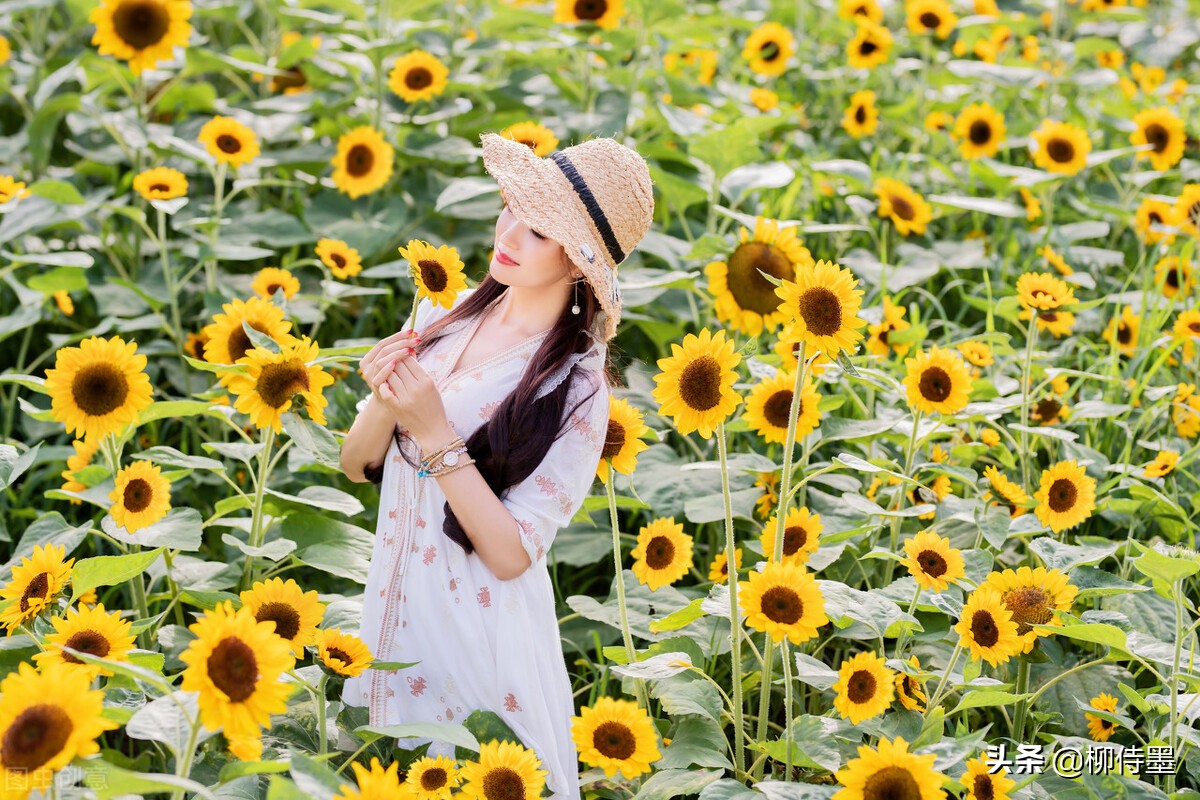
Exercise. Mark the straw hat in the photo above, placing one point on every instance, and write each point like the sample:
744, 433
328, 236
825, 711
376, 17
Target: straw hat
594, 198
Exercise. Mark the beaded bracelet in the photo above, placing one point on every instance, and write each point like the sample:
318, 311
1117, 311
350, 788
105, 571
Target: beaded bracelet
446, 462
459, 464
457, 441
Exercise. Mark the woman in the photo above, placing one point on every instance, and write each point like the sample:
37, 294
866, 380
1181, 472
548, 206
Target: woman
518, 369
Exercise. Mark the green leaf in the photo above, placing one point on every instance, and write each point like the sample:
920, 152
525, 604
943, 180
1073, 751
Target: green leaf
314, 778
330, 545
165, 454
314, 439
57, 191
181, 529
1094, 632
1093, 582
107, 780
982, 698
451, 732
1065, 557
109, 570
682, 694
668, 783
174, 409
678, 619
1169, 569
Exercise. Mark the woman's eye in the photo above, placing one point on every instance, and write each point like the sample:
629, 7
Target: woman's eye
535, 233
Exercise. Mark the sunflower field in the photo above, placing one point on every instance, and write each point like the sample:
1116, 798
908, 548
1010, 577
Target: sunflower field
899, 495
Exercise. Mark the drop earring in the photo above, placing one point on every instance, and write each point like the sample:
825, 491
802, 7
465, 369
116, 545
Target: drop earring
575, 308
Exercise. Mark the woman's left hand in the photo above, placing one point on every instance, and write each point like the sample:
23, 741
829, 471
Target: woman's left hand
414, 400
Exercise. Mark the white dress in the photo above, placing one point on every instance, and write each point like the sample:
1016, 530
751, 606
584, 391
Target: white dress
481, 642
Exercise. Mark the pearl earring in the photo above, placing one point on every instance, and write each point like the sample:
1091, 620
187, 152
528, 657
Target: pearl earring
575, 308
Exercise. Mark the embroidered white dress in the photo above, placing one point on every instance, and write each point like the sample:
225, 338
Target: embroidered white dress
481, 642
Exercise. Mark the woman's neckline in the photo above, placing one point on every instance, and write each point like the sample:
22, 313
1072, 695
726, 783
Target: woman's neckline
469, 334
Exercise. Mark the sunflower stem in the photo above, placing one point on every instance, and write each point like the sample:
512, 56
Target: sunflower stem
210, 265
1173, 740
894, 539
900, 640
256, 533
319, 696
626, 635
1018, 728
734, 623
176, 326
412, 317
787, 710
183, 766
937, 693
1027, 378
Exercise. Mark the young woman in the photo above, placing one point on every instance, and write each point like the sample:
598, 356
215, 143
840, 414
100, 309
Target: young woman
518, 368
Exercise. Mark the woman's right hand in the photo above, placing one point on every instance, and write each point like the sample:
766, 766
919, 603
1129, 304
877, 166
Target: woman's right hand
381, 359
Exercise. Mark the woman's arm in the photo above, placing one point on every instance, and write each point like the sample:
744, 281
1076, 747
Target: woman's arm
366, 443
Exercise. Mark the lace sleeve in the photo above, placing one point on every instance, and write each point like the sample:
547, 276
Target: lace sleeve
590, 359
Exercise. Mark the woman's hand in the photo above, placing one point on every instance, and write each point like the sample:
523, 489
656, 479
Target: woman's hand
410, 394
381, 359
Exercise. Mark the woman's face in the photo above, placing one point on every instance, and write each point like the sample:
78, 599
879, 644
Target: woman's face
524, 257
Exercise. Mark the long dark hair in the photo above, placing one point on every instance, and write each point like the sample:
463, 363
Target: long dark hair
512, 443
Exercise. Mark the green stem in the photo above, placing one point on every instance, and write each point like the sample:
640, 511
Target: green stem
172, 292
894, 538
323, 745
184, 765
1027, 379
787, 711
1018, 729
1175, 678
256, 533
735, 633
626, 634
210, 266
900, 640
937, 693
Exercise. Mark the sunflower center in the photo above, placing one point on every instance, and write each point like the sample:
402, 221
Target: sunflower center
860, 114
861, 686
935, 384
867, 47
433, 274
614, 440
1193, 213
821, 311
1124, 334
1062, 495
338, 260
229, 144
138, 495
590, 9
980, 132
433, 778
782, 605
233, 668
38, 587
1173, 278
1029, 606
239, 342
279, 382
91, 642
660, 552
614, 740
769, 52
930, 20
891, 783
1049, 408
700, 384
984, 629
418, 78
99, 388
141, 24
1060, 150
38, 734
360, 160
778, 408
272, 287
749, 288
902, 208
984, 789
285, 617
503, 783
932, 563
1157, 135
1155, 218
794, 537
160, 187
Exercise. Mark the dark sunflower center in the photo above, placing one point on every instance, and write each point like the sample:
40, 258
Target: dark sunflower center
160, 187
769, 52
932, 563
782, 605
750, 289
360, 160
590, 9
984, 789
930, 20
229, 144
503, 783
984, 630
272, 287
861, 686
1193, 213
1194, 326
935, 384
233, 668
1124, 334
860, 114
1173, 278
1157, 135
285, 617
293, 78
99, 388
1029, 606
279, 382
433, 778
980, 132
239, 342
821, 311
794, 537
37, 588
338, 260
1060, 150
778, 407
1048, 409
418, 78
141, 24
891, 783
38, 734
1062, 495
92, 642
138, 495
1155, 218
660, 552
614, 740
614, 440
903, 209
867, 47
339, 654
700, 384
433, 274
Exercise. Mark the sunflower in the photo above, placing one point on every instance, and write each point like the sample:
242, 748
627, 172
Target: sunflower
432, 778
11, 189
908, 210
269, 279
141, 497
293, 81
663, 554
1101, 729
375, 783
1066, 496
938, 121
226, 340
1058, 323
861, 118
768, 482
893, 321
1061, 147
1110, 59
1031, 596
930, 16
743, 297
229, 141
1162, 129
1162, 465
235, 663
604, 13
909, 691
822, 308
1122, 331
783, 599
85, 450
764, 99
272, 380
984, 784
160, 183
718, 570
1186, 209
540, 139
1043, 291
867, 9
47, 718
142, 32
932, 561
695, 385
786, 347
801, 535
1055, 259
295, 612
768, 49
937, 380
5, 50
978, 353
1151, 215
344, 653
89, 630
363, 163
615, 735
1185, 411
1033, 206
98, 387
986, 627
418, 75
342, 260
1173, 275
989, 437
623, 441
62, 299
870, 45
890, 771
865, 687
505, 771
246, 747
438, 271
35, 583
769, 405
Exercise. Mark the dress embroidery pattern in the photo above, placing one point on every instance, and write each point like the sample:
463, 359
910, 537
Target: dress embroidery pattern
485, 597
510, 703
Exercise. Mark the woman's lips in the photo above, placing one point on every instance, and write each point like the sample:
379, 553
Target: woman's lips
504, 259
